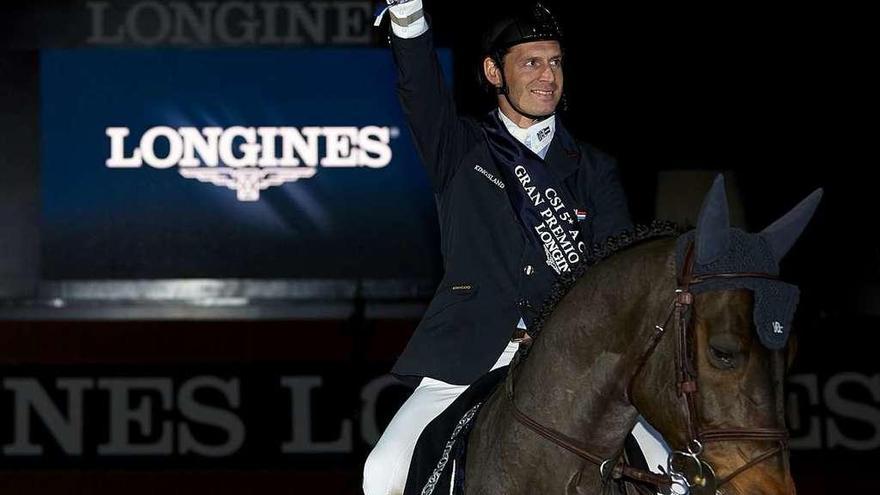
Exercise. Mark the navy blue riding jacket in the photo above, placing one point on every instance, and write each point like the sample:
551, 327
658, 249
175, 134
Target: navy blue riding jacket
492, 275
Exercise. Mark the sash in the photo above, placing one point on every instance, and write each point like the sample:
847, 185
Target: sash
541, 202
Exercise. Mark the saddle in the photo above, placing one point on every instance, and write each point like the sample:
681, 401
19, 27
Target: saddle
438, 462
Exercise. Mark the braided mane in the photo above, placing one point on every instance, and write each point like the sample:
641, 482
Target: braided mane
596, 253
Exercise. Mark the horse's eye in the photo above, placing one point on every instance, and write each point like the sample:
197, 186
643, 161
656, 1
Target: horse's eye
722, 359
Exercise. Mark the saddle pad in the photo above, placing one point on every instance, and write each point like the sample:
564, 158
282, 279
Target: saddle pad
443, 443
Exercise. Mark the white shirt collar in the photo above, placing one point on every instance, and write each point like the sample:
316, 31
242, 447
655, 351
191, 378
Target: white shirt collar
536, 137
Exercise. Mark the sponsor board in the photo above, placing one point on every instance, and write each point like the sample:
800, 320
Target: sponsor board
230, 163
231, 23
260, 415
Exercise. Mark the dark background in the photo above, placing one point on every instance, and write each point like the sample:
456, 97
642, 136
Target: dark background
778, 97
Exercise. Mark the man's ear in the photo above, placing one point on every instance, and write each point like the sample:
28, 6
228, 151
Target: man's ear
492, 72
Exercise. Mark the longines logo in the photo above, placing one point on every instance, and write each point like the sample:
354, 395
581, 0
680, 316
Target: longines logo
220, 416
251, 159
226, 22
202, 416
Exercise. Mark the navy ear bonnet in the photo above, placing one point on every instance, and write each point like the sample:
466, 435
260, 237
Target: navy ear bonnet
774, 301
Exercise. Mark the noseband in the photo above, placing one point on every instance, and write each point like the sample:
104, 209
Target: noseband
700, 479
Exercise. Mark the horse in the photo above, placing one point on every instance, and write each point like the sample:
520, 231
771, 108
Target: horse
639, 336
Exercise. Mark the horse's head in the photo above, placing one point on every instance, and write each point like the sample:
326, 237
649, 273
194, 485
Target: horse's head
714, 389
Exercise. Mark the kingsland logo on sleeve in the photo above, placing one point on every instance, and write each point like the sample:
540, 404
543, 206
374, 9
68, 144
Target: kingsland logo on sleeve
251, 159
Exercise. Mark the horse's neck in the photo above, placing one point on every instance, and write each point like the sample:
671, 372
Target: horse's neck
576, 376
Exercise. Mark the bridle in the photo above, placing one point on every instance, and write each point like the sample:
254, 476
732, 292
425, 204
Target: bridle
701, 476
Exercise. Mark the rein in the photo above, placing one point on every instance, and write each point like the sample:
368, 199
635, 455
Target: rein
686, 383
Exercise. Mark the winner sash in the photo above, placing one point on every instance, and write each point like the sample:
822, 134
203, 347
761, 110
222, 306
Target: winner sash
541, 202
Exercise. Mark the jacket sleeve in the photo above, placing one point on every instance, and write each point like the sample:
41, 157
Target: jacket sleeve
612, 212
441, 137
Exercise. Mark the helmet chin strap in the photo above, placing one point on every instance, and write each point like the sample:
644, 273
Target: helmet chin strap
535, 118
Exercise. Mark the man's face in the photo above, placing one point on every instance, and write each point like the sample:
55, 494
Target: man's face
533, 72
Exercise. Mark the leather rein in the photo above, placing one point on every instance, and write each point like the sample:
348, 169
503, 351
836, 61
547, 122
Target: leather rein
686, 378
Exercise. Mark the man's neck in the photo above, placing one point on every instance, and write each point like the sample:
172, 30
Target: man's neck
517, 118
536, 137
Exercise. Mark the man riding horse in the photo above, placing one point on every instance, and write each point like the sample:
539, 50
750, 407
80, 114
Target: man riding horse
519, 201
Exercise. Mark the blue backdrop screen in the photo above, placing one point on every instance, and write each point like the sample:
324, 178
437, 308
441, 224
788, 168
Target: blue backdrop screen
230, 163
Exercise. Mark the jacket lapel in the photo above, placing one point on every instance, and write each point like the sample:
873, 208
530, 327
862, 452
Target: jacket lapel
564, 154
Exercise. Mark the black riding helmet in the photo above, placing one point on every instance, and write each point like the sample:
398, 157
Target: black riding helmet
524, 25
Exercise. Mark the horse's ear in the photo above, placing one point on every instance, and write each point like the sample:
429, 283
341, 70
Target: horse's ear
713, 224
783, 233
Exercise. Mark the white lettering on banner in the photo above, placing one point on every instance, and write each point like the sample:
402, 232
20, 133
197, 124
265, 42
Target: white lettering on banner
29, 396
250, 156
301, 420
231, 23
202, 414
138, 408
161, 416
142, 418
845, 406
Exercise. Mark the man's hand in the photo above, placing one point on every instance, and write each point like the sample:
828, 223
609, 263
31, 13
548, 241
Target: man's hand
407, 18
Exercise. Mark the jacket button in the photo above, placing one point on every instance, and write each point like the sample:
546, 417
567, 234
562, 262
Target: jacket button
529, 269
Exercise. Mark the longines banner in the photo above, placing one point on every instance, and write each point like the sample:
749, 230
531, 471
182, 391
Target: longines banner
255, 416
230, 163
260, 416
175, 23
301, 398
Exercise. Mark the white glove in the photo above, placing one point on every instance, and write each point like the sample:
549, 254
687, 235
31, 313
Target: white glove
407, 18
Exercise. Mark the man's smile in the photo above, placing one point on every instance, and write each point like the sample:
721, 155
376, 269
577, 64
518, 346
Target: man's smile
543, 94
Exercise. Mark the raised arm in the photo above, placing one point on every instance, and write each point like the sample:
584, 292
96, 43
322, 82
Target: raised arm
441, 136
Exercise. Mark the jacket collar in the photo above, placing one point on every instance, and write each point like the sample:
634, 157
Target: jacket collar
564, 154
